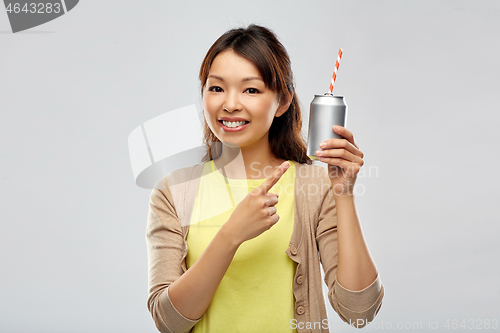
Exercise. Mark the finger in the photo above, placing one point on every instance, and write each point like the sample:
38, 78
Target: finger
342, 131
340, 153
350, 168
271, 200
269, 182
335, 162
272, 210
342, 143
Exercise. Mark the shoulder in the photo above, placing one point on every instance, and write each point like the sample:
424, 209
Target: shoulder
317, 171
312, 179
180, 176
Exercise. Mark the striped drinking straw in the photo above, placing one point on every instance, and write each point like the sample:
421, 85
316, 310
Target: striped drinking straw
334, 76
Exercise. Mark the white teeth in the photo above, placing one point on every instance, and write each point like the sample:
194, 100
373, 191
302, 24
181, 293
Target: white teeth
233, 123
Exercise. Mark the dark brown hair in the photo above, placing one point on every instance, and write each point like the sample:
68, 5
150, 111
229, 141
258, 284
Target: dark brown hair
261, 46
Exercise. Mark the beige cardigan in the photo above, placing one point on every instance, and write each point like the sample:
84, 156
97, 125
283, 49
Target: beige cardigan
314, 239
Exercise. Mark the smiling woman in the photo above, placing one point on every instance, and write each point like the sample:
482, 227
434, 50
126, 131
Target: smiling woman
219, 261
239, 107
266, 76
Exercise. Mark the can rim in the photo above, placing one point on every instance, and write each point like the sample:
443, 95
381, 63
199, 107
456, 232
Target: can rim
329, 95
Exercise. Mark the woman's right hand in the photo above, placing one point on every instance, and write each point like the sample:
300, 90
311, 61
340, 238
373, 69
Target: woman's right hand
256, 212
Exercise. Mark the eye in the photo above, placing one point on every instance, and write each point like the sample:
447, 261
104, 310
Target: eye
215, 89
252, 91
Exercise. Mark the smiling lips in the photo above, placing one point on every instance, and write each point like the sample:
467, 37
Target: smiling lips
233, 124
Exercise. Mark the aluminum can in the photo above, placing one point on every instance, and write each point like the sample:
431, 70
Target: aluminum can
325, 112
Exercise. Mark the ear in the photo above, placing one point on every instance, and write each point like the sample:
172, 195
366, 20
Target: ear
284, 105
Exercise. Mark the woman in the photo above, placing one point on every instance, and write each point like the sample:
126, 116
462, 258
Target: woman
221, 259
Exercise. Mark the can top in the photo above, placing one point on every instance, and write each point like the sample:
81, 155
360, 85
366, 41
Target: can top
327, 94
329, 99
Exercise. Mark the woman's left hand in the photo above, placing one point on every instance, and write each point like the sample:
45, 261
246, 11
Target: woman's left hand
344, 161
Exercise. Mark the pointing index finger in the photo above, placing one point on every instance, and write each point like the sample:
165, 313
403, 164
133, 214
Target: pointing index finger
269, 182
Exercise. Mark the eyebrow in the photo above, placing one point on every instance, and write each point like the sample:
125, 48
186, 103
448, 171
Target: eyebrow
250, 78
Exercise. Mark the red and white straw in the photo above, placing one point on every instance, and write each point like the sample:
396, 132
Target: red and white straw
334, 76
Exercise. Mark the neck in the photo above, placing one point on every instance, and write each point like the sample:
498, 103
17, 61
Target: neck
247, 162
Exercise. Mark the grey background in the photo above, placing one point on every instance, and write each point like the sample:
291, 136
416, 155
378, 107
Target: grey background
421, 82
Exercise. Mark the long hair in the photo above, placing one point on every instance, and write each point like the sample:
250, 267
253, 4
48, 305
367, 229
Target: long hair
260, 46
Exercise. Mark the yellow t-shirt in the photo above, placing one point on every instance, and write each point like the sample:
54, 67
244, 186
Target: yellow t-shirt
256, 293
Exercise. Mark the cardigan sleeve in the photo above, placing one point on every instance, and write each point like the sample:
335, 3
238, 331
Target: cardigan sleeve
357, 308
165, 248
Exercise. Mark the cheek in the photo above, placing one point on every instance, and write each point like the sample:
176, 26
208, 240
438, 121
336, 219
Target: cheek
209, 112
212, 100
208, 105
268, 109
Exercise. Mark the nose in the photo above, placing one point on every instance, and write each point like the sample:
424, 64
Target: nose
232, 102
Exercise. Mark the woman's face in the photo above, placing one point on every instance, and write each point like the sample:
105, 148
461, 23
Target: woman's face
238, 106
